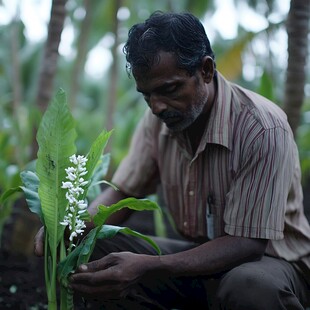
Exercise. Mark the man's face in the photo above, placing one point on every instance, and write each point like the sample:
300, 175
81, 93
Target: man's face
171, 93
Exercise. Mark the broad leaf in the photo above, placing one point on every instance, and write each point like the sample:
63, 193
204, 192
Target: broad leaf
230, 62
8, 193
109, 231
266, 87
30, 188
70, 263
100, 172
103, 182
132, 203
102, 167
56, 137
95, 153
82, 253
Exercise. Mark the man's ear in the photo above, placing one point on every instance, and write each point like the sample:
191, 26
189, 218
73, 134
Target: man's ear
207, 69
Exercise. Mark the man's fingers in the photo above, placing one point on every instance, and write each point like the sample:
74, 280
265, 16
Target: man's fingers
106, 276
97, 265
39, 242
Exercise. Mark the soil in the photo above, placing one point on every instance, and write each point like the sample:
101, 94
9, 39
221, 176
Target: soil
22, 284
21, 272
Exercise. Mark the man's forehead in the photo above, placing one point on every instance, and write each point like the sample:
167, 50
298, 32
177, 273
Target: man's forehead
166, 67
159, 79
160, 59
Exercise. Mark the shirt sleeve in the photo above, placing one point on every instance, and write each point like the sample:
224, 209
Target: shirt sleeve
137, 175
256, 203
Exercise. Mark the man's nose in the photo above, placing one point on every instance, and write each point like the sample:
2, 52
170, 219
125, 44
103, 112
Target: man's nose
157, 105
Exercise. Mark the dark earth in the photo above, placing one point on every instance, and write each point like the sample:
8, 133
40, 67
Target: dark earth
21, 273
22, 284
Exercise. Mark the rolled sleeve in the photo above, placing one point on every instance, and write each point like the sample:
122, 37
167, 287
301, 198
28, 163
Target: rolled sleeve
137, 174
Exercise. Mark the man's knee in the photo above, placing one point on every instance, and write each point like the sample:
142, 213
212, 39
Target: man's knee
246, 287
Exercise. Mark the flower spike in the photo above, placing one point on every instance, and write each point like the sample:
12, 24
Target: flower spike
76, 206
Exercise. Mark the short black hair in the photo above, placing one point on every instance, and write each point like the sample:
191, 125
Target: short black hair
179, 33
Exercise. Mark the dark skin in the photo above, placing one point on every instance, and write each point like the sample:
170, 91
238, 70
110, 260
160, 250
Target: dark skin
166, 88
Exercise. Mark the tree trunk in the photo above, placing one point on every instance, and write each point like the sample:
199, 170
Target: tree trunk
112, 95
50, 57
16, 87
16, 75
297, 30
77, 71
49, 62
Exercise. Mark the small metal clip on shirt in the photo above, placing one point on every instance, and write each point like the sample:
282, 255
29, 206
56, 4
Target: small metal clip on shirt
210, 217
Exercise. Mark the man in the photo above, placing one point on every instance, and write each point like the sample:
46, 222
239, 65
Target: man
228, 167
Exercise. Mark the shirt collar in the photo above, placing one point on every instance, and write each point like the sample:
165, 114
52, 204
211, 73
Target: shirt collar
219, 127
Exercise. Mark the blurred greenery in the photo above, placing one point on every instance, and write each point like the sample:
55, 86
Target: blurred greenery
250, 58
303, 142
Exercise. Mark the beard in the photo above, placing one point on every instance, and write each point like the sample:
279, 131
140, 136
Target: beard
178, 121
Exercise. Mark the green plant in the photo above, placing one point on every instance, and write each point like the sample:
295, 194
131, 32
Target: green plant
303, 142
57, 192
12, 159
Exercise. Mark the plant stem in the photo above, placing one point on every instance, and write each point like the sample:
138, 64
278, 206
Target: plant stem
66, 296
52, 305
50, 283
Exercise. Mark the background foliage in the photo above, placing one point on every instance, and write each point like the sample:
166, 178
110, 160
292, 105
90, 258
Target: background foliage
82, 35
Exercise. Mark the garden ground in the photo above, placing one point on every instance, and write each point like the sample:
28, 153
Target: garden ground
21, 273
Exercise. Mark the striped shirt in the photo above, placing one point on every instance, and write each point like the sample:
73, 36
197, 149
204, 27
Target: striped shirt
243, 179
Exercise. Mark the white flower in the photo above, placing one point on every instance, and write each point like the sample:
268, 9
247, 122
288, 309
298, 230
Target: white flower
67, 185
74, 187
81, 204
70, 170
73, 234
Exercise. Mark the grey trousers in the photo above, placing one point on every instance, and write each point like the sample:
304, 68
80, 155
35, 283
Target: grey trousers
268, 284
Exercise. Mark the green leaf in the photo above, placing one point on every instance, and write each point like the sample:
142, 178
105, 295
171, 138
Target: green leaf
266, 86
109, 231
100, 172
132, 203
102, 167
86, 217
30, 188
82, 253
8, 193
230, 62
79, 255
56, 137
95, 153
104, 182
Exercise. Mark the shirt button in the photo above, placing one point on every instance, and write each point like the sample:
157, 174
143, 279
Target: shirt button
191, 193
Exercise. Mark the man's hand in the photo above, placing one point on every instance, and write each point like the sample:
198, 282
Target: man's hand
111, 276
39, 242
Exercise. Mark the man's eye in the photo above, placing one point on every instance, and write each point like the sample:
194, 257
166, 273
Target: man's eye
170, 89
